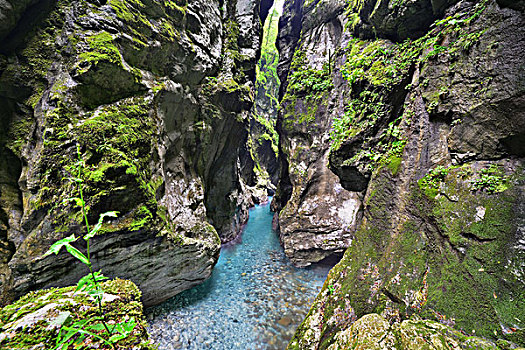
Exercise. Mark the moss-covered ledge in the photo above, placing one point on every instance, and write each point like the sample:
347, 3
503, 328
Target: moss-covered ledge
374, 332
32, 321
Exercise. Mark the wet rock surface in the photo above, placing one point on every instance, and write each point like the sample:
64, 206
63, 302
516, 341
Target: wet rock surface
315, 215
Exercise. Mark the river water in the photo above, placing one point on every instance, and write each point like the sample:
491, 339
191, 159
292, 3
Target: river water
254, 299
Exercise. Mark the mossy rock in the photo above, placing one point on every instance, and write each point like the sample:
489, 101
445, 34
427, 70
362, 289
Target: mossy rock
373, 332
442, 261
33, 321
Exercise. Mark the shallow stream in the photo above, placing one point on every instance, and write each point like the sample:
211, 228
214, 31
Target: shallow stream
254, 299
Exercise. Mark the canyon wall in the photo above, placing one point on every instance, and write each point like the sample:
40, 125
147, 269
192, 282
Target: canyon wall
317, 216
411, 113
156, 96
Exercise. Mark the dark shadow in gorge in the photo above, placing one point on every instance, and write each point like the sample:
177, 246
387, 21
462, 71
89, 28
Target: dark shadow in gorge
33, 17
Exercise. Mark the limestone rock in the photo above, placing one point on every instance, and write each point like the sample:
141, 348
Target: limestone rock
261, 164
317, 217
373, 332
436, 146
157, 96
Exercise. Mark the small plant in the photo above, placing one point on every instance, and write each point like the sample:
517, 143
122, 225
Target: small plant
456, 122
97, 326
435, 176
490, 180
432, 106
331, 289
431, 182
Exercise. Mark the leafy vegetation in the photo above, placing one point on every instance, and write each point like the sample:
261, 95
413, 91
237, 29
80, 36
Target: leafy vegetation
262, 128
490, 180
308, 84
306, 80
267, 83
432, 181
435, 176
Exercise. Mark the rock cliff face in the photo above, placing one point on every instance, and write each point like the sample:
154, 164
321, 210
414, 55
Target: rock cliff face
267, 83
421, 103
317, 216
263, 139
156, 95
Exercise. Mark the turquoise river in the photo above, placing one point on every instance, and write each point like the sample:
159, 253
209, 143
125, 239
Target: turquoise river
254, 299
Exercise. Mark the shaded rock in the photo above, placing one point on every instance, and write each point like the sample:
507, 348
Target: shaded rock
316, 216
404, 19
266, 5
290, 25
516, 5
10, 13
263, 139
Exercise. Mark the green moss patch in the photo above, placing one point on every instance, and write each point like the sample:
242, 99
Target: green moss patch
118, 143
374, 332
308, 88
447, 260
102, 49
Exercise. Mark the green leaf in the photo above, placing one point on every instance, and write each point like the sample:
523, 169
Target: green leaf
63, 340
87, 282
99, 276
82, 331
98, 226
55, 248
128, 326
79, 341
62, 318
116, 337
78, 201
74, 179
76, 253
96, 327
95, 293
124, 329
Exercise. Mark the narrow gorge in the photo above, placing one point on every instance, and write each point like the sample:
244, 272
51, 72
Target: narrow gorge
262, 174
